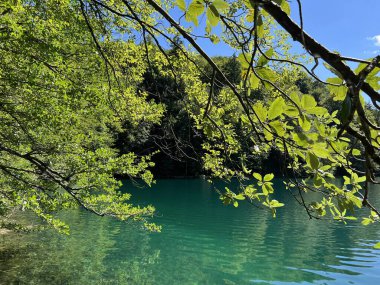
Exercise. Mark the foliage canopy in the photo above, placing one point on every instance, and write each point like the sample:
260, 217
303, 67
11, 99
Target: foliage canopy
71, 76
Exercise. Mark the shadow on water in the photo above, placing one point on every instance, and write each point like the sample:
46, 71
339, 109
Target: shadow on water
203, 242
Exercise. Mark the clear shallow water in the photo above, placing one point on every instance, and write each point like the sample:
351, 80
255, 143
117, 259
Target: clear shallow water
202, 242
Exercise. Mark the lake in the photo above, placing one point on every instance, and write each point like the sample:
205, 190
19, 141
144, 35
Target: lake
202, 242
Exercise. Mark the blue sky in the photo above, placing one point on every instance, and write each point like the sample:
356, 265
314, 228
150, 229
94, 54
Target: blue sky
347, 26
344, 25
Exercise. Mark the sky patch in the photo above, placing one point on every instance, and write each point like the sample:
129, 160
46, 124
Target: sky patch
376, 40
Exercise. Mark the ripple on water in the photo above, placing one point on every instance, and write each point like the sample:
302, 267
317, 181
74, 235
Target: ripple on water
203, 242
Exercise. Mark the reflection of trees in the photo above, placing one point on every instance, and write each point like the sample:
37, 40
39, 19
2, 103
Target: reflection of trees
292, 241
84, 257
203, 242
248, 244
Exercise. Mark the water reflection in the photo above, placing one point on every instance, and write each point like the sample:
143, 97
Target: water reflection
203, 242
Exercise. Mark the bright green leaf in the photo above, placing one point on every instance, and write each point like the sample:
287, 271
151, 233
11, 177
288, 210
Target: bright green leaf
338, 92
181, 5
276, 108
268, 177
212, 15
258, 176
220, 5
308, 102
304, 122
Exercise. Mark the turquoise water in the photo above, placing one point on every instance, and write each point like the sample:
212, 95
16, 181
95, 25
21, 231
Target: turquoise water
202, 242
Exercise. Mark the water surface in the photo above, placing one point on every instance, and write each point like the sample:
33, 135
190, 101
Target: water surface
202, 242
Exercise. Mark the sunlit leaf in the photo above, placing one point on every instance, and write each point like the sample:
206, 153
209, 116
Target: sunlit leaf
268, 177
276, 108
257, 176
304, 122
308, 102
254, 81
181, 4
284, 5
338, 92
220, 5
196, 8
260, 26
212, 15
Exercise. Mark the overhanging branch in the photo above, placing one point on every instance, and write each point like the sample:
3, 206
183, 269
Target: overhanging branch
318, 50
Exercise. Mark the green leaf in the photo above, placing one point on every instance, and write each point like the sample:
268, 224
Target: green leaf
374, 81
360, 179
312, 160
267, 188
192, 18
181, 4
296, 98
345, 112
377, 246
354, 200
372, 78
239, 197
258, 176
260, 27
212, 15
276, 108
291, 111
318, 181
277, 125
284, 5
268, 135
250, 3
260, 111
347, 180
301, 139
325, 167
361, 66
208, 27
196, 8
318, 111
320, 150
268, 177
254, 81
214, 39
350, 218
366, 221
308, 102
267, 74
263, 60
244, 60
250, 16
338, 92
304, 122
220, 5
276, 204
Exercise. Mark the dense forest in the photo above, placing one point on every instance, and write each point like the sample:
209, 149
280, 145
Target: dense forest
180, 143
